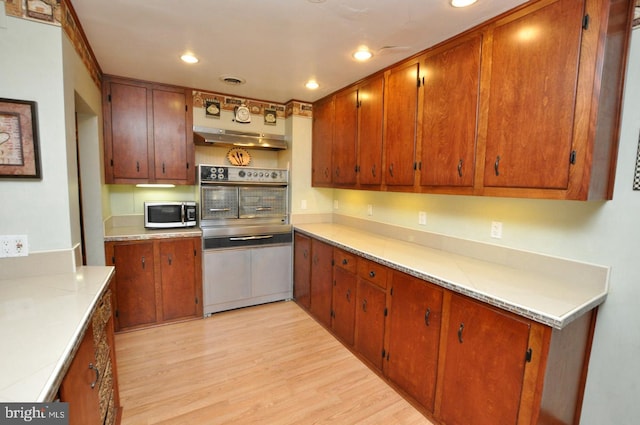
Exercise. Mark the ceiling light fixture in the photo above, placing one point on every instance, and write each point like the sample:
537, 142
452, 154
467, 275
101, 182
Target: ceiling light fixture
462, 3
312, 85
189, 58
362, 54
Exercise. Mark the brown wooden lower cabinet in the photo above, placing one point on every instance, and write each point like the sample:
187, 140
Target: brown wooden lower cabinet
414, 335
90, 385
156, 281
302, 269
462, 361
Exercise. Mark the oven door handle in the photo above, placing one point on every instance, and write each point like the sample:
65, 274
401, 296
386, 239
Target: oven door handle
264, 208
251, 238
219, 209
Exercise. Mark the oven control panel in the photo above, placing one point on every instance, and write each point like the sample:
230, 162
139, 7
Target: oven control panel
230, 174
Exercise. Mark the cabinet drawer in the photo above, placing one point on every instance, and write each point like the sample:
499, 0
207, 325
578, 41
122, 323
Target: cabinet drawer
345, 260
373, 272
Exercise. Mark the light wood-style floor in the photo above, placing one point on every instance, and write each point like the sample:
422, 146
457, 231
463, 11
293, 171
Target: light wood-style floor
270, 364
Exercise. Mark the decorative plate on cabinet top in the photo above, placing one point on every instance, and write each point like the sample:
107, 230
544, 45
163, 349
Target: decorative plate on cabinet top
238, 156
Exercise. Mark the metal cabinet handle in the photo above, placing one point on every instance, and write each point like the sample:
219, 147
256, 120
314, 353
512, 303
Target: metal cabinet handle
170, 259
326, 172
345, 261
460, 329
391, 170
95, 369
364, 305
138, 166
372, 273
373, 170
460, 168
496, 165
337, 171
427, 315
349, 295
143, 263
163, 172
305, 253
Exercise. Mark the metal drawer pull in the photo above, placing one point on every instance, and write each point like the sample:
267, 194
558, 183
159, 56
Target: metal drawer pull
497, 165
372, 274
95, 369
219, 209
460, 329
364, 305
391, 170
349, 295
345, 261
251, 238
143, 262
427, 314
460, 168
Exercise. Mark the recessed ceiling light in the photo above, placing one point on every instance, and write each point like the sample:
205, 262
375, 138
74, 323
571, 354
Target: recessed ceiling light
189, 58
362, 54
312, 85
462, 3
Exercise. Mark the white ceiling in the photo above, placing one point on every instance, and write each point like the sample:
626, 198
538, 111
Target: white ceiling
276, 45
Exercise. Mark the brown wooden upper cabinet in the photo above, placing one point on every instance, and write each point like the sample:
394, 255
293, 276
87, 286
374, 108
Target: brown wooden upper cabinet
344, 148
323, 122
148, 133
451, 81
370, 116
401, 112
525, 105
532, 97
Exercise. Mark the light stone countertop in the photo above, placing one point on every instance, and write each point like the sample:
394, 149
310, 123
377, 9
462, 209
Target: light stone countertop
131, 228
42, 320
545, 289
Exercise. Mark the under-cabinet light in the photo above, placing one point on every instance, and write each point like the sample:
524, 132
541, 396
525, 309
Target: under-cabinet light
155, 185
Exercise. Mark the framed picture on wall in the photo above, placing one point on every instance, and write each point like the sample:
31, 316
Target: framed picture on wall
19, 154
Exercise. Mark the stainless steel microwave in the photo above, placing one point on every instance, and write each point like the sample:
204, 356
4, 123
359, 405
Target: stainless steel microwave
166, 215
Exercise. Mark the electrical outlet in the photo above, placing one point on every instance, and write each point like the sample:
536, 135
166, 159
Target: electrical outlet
369, 209
303, 204
14, 246
496, 229
335, 204
422, 218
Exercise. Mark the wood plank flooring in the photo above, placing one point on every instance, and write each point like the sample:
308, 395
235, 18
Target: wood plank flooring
270, 364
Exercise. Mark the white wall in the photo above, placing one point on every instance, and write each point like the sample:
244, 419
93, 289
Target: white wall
597, 232
32, 69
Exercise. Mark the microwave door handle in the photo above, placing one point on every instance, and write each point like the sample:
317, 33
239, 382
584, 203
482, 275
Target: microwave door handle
183, 209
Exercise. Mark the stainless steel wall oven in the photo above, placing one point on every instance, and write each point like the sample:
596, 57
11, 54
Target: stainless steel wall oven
246, 236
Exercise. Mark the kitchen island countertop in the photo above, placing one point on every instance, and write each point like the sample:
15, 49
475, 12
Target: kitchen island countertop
545, 289
42, 320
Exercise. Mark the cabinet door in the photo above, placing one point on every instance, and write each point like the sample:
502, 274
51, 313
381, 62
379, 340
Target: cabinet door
484, 365
170, 120
401, 111
344, 300
370, 115
321, 281
178, 278
302, 269
414, 335
532, 97
271, 271
127, 138
344, 153
135, 285
450, 111
323, 116
370, 314
80, 385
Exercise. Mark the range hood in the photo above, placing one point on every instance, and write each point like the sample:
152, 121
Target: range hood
207, 136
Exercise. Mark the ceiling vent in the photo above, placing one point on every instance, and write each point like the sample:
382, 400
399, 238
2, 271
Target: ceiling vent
232, 80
